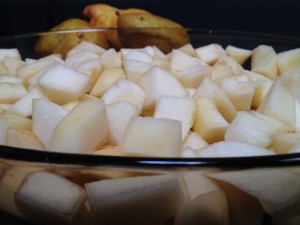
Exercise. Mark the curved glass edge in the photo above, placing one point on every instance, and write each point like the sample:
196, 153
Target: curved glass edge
70, 159
198, 37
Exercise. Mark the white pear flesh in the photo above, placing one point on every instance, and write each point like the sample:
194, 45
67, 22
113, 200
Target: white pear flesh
22, 138
177, 108
76, 132
136, 200
210, 208
157, 82
119, 114
124, 90
209, 123
208, 88
11, 92
248, 128
288, 59
14, 121
280, 104
210, 53
50, 198
277, 189
45, 117
232, 149
62, 84
24, 105
239, 203
9, 184
153, 137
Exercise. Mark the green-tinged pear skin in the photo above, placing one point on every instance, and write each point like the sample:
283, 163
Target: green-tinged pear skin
62, 43
139, 30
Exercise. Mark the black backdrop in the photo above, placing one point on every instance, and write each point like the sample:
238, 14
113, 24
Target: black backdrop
267, 16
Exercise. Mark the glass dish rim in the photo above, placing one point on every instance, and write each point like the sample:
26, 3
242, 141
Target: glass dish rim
89, 160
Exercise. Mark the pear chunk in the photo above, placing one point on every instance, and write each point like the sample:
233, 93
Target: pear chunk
76, 132
55, 200
277, 189
153, 137
136, 200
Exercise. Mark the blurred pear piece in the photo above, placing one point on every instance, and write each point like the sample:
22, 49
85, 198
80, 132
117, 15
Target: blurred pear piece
61, 43
146, 29
106, 16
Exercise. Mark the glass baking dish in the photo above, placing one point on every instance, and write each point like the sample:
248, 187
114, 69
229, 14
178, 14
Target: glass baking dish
159, 200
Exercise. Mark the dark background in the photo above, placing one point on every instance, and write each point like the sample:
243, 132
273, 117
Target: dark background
265, 16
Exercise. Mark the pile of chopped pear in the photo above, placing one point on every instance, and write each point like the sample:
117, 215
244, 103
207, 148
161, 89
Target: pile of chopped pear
191, 102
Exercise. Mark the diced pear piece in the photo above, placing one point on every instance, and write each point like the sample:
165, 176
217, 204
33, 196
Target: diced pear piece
194, 140
188, 152
262, 86
14, 121
295, 149
76, 132
22, 138
119, 115
23, 106
50, 198
45, 117
284, 142
264, 61
86, 45
210, 53
92, 68
234, 65
35, 68
288, 59
192, 77
239, 54
10, 79
80, 57
277, 189
239, 203
13, 65
180, 60
9, 184
110, 59
106, 79
124, 90
9, 52
259, 53
197, 183
3, 69
240, 92
209, 123
219, 71
10, 92
136, 200
137, 55
177, 108
62, 84
135, 69
280, 104
153, 137
291, 80
209, 208
279, 126
209, 89
157, 82
249, 128
188, 49
232, 149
